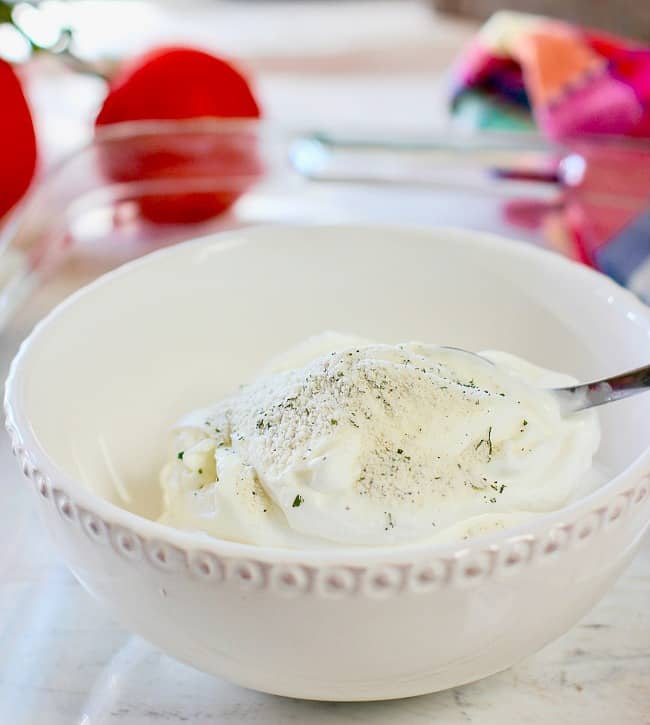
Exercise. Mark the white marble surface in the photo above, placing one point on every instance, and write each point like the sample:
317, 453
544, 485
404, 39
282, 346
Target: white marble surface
63, 661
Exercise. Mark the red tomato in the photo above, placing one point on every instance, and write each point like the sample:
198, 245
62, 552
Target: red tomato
18, 161
182, 83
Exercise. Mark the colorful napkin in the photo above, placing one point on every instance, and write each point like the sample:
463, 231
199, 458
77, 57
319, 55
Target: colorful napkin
572, 84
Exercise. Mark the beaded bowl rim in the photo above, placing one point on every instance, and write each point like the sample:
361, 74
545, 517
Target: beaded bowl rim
630, 486
377, 572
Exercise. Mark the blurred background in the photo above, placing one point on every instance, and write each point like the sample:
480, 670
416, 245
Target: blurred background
312, 63
312, 66
444, 112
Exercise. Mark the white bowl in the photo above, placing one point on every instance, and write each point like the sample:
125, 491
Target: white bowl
93, 391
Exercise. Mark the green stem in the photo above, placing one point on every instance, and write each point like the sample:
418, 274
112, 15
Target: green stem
61, 49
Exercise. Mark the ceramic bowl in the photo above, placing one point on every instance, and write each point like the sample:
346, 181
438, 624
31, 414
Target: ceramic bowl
93, 391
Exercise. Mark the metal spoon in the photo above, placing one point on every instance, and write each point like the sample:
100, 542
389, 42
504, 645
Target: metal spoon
590, 395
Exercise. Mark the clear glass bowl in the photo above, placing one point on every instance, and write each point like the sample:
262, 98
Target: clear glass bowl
136, 187
143, 185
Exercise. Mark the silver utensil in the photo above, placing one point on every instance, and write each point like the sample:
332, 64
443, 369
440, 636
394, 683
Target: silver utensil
493, 163
589, 395
575, 398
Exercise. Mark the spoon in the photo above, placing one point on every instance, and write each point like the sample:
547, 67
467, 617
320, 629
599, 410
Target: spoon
589, 395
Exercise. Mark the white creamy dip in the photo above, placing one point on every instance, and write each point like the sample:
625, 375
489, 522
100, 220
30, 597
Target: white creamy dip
345, 442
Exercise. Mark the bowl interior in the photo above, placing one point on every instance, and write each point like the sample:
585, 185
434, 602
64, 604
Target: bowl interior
108, 372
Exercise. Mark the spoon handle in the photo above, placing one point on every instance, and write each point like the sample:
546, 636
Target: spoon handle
590, 395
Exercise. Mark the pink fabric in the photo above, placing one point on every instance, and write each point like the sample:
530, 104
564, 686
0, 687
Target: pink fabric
575, 81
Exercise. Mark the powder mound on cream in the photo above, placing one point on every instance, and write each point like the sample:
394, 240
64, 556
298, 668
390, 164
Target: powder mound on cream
346, 442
